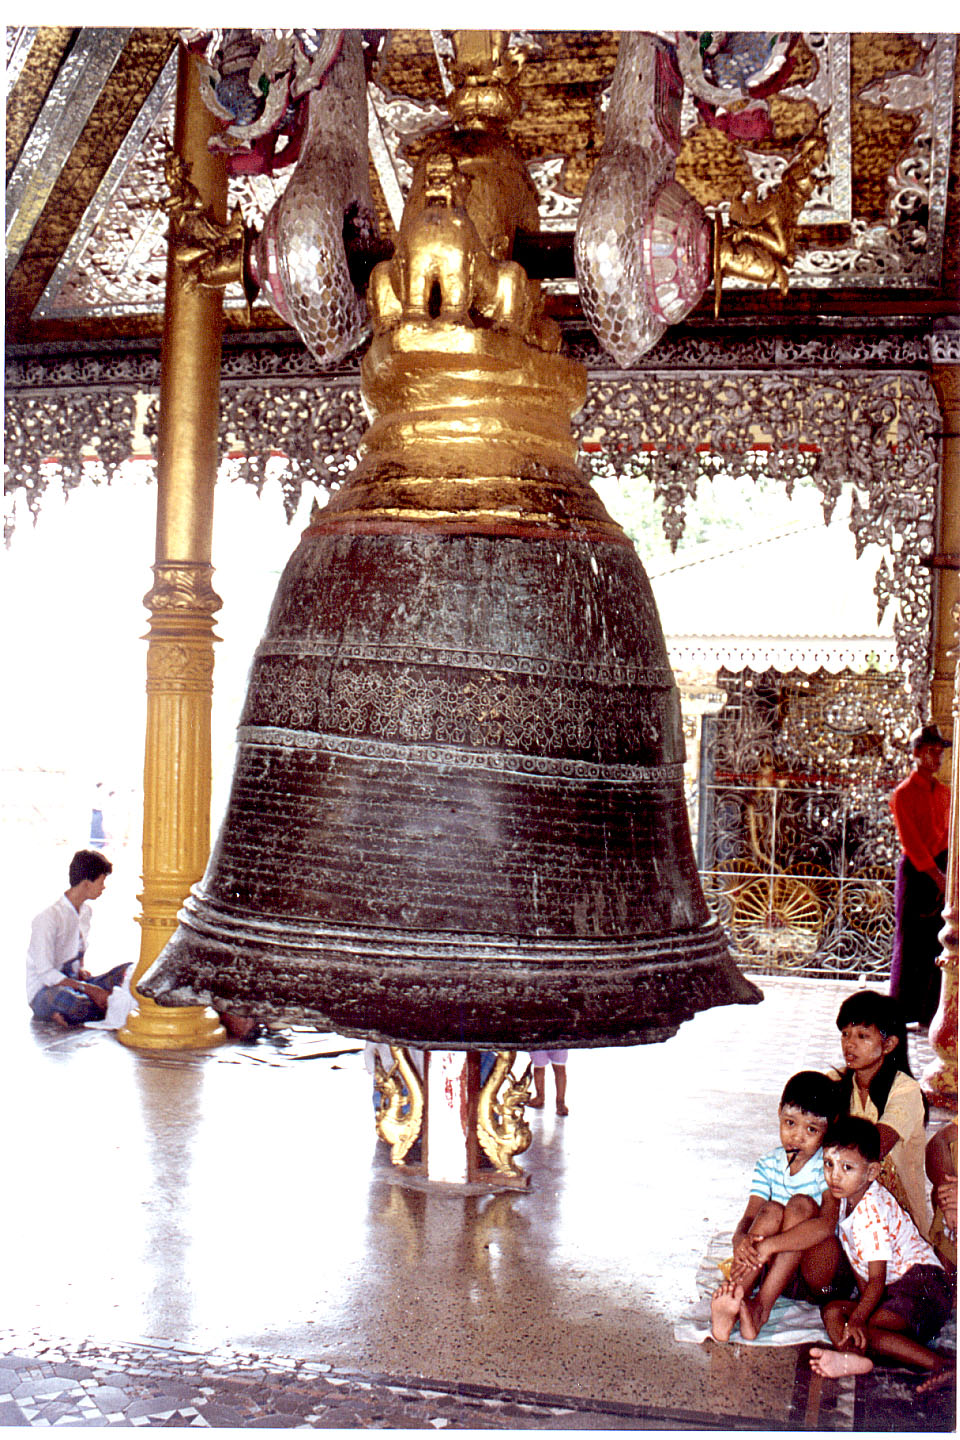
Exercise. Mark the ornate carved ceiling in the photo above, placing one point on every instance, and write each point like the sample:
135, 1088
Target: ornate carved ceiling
89, 113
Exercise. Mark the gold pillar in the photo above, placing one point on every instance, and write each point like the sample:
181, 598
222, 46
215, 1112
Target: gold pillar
940, 1077
182, 602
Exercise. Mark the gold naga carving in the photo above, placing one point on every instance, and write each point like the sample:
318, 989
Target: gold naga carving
399, 1087
501, 1129
760, 241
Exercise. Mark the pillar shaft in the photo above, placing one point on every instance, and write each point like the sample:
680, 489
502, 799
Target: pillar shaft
940, 1077
449, 1142
182, 602
946, 380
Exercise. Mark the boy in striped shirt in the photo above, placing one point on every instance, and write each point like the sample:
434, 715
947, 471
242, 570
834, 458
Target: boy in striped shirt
904, 1295
786, 1190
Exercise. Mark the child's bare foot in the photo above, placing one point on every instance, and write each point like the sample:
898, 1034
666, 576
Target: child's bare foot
752, 1318
536, 1103
562, 1110
940, 1380
724, 1309
835, 1363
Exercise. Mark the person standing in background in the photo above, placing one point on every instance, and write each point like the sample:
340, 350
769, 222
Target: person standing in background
98, 832
540, 1060
921, 812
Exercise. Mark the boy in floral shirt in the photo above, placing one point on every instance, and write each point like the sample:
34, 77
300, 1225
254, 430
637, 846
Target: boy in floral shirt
905, 1295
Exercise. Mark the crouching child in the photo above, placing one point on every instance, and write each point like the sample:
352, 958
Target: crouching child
785, 1192
905, 1295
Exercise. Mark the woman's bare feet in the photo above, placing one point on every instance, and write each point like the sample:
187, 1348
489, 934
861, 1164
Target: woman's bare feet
724, 1309
835, 1363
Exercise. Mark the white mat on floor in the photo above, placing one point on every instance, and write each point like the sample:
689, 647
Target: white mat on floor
119, 1005
792, 1322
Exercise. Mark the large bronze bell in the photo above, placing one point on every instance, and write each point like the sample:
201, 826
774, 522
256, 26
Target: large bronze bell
457, 816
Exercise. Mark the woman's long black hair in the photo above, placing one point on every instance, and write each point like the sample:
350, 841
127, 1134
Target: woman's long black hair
869, 1007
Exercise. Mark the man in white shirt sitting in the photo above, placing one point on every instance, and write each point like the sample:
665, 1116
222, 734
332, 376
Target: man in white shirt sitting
58, 987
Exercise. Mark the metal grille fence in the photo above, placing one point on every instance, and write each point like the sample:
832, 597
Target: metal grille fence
797, 847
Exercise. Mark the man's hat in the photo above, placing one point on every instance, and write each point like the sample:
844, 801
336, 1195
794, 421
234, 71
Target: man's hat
928, 735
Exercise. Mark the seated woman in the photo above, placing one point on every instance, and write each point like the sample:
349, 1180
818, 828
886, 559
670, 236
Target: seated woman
877, 1084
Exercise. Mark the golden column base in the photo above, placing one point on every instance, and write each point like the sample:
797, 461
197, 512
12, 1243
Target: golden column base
165, 1027
176, 782
171, 1027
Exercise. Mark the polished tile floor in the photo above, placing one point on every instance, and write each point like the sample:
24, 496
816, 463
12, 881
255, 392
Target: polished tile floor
217, 1239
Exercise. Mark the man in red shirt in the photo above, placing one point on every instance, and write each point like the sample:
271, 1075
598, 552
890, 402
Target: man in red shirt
921, 810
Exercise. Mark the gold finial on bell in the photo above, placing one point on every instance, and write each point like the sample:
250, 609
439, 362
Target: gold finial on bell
486, 72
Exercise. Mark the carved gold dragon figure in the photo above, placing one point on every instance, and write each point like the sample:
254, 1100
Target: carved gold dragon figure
399, 1087
501, 1129
760, 242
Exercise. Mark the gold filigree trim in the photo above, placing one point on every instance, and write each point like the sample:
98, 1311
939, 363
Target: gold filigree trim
183, 588
172, 665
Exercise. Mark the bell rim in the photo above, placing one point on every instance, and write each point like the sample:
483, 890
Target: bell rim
532, 1003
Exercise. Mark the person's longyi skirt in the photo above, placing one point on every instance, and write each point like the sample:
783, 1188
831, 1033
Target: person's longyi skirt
918, 919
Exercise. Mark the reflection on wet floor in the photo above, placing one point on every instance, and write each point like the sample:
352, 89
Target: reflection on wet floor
236, 1203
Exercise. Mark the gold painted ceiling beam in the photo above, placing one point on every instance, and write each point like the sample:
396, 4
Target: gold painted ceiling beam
47, 210
96, 211
38, 53
67, 109
561, 83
